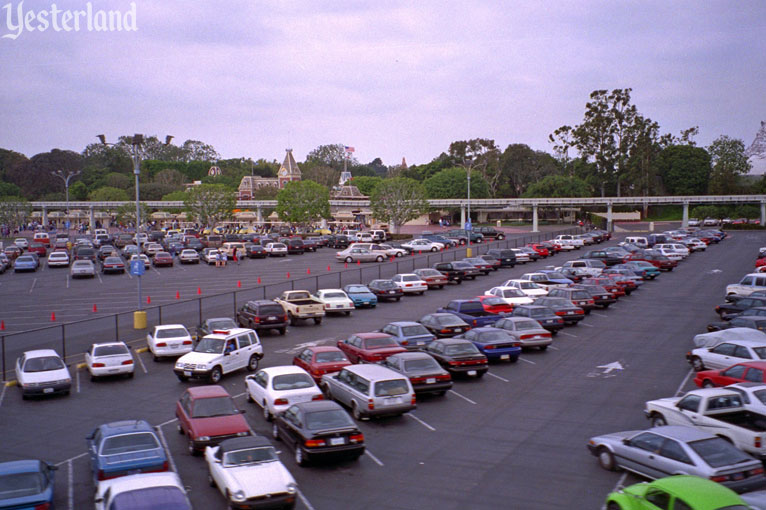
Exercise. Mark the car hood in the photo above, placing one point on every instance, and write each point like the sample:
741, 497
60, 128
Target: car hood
198, 357
47, 376
614, 437
258, 479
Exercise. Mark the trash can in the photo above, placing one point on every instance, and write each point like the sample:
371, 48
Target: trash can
499, 223
139, 320
651, 226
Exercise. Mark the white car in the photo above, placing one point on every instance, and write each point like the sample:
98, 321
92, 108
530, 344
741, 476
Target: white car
112, 358
522, 257
248, 469
566, 239
21, 242
219, 353
693, 222
747, 285
669, 253
335, 300
695, 244
531, 289
141, 237
277, 388
393, 252
753, 395
142, 256
727, 353
564, 246
169, 340
589, 267
276, 249
710, 222
542, 280
364, 237
418, 245
42, 372
151, 249
151, 491
510, 295
58, 259
83, 268
188, 257
410, 283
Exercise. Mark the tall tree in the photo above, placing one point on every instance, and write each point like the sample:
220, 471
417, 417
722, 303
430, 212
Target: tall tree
126, 214
323, 175
194, 150
107, 194
397, 201
330, 155
210, 203
367, 185
684, 170
479, 154
14, 211
521, 166
453, 183
558, 186
303, 202
727, 156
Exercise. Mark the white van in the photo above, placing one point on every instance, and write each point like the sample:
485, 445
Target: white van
641, 242
219, 353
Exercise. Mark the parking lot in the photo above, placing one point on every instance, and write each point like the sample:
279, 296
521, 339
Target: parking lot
514, 439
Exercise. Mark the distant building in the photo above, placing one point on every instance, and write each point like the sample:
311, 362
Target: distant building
289, 171
214, 171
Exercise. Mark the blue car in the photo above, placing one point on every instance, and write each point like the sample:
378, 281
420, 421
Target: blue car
494, 343
25, 263
410, 335
556, 277
26, 484
361, 296
125, 448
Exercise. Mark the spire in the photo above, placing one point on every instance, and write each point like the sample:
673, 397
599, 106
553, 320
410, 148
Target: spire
290, 166
404, 163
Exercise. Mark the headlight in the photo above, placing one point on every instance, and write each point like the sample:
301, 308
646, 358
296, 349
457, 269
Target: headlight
238, 495
243, 434
179, 365
292, 488
202, 438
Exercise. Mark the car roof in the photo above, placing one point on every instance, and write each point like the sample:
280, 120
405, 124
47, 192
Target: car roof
121, 427
372, 334
102, 344
324, 348
20, 466
373, 371
40, 353
681, 433
404, 323
318, 405
283, 369
208, 391
698, 492
169, 326
452, 341
240, 443
410, 355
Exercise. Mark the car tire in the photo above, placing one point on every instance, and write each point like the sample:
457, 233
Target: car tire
180, 429
697, 364
440, 287
544, 347
707, 383
613, 506
355, 412
348, 260
398, 254
398, 298
293, 320
275, 432
606, 459
433, 248
348, 312
326, 391
266, 412
182, 377
130, 375
282, 330
479, 375
190, 447
252, 364
215, 375
318, 320
658, 420
379, 259
441, 393
500, 237
300, 456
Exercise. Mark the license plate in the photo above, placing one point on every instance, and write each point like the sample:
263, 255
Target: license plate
472, 372
392, 292
421, 343
174, 346
504, 356
335, 441
187, 373
570, 313
431, 380
48, 390
113, 370
458, 330
272, 318
391, 401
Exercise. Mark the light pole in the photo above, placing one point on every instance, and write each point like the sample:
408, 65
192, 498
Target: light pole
66, 176
468, 226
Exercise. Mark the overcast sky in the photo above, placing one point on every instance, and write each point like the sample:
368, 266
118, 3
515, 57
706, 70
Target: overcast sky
392, 79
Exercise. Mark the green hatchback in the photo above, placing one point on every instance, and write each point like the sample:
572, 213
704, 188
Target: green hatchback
680, 492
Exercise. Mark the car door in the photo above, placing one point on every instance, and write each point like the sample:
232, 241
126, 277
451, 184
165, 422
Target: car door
290, 426
730, 375
720, 356
94, 439
183, 412
642, 452
754, 375
230, 355
341, 390
673, 459
260, 382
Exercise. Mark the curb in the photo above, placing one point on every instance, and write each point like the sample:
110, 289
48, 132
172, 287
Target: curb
141, 349
8, 384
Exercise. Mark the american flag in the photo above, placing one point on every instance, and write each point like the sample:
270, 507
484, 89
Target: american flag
349, 149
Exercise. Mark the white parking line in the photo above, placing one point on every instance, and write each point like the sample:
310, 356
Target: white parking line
141, 361
373, 457
2, 394
599, 314
33, 285
77, 376
568, 334
586, 325
67, 281
426, 425
165, 444
70, 488
167, 422
498, 377
619, 482
553, 348
99, 277
71, 459
304, 500
463, 397
683, 383
530, 362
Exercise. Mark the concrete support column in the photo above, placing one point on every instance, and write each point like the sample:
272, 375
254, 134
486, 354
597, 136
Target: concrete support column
763, 213
609, 225
258, 214
534, 219
45, 218
685, 217
92, 218
462, 216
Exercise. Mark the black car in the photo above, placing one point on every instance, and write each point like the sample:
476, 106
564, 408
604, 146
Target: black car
507, 258
255, 251
741, 321
542, 314
194, 243
563, 308
107, 251
294, 245
310, 244
452, 273
728, 310
385, 290
444, 324
608, 258
479, 263
601, 296
263, 314
318, 430
423, 371
338, 241
85, 253
215, 324
489, 259
490, 233
458, 356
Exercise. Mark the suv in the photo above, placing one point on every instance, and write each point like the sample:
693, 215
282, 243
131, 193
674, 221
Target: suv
338, 241
263, 314
378, 236
370, 390
220, 353
452, 273
464, 235
207, 415
507, 258
749, 283
490, 233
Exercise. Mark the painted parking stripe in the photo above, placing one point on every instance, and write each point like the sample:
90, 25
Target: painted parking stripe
33, 285
70, 485
167, 422
498, 377
304, 500
165, 445
530, 362
77, 376
426, 425
141, 362
619, 483
463, 397
683, 383
569, 334
586, 325
2, 393
599, 314
373, 457
553, 348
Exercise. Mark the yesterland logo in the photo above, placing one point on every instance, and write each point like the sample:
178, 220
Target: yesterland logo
19, 20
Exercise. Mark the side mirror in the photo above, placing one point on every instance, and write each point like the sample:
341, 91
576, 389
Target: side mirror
626, 442
226, 353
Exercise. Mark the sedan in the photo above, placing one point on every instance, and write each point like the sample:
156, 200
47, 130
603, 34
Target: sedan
321, 359
125, 448
318, 430
361, 296
21, 243
169, 340
435, 279
210, 255
277, 388
255, 251
58, 259
369, 347
25, 263
444, 324
410, 283
494, 304
510, 295
542, 314
410, 335
424, 373
215, 324
188, 257
421, 245
563, 308
112, 265
143, 258
458, 356
249, 474
496, 344
385, 290
601, 296
335, 301
26, 484
162, 258
482, 265
276, 249
527, 331
148, 491
42, 372
752, 371
667, 450
740, 321
530, 289
107, 359
354, 254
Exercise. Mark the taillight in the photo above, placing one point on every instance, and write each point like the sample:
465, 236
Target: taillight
719, 478
489, 347
162, 344
454, 363
474, 322
187, 342
444, 331
43, 506
356, 438
318, 397
313, 443
756, 471
561, 313
100, 474
526, 337
757, 441
405, 342
126, 362
98, 365
413, 401
165, 466
280, 402
257, 320
370, 404
444, 377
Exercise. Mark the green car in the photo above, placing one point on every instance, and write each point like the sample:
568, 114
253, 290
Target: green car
680, 492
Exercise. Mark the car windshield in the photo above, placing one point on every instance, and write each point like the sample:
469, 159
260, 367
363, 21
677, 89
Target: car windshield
20, 485
528, 285
385, 284
556, 276
527, 325
210, 346
249, 456
719, 452
424, 363
492, 336
414, 330
292, 382
330, 356
449, 320
494, 301
357, 288
378, 343
330, 419
110, 350
391, 388
459, 349
226, 323
127, 443
171, 333
429, 272
334, 295
43, 364
213, 406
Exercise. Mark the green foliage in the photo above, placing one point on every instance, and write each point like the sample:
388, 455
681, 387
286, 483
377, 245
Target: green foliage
303, 202
117, 180
108, 194
558, 186
453, 183
155, 190
423, 172
78, 191
729, 162
175, 196
684, 170
521, 166
14, 210
367, 184
126, 214
330, 155
210, 203
9, 189
479, 154
397, 201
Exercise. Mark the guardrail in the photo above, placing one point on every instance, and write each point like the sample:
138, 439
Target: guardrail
72, 339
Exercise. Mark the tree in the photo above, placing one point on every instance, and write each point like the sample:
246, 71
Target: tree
479, 154
367, 184
520, 166
14, 211
210, 203
8, 189
194, 150
170, 177
728, 159
41, 180
423, 172
330, 155
453, 183
303, 202
558, 186
684, 169
78, 191
174, 196
397, 201
107, 194
116, 180
323, 175
126, 214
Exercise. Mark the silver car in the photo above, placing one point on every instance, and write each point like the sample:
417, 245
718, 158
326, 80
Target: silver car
82, 268
353, 254
671, 450
527, 331
189, 257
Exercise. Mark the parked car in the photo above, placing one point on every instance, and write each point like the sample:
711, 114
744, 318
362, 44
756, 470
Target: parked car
530, 289
370, 390
276, 249
207, 415
125, 447
563, 308
495, 305
527, 331
578, 297
752, 371
410, 283
458, 357
82, 268
510, 295
58, 259
410, 335
109, 359
354, 254
274, 389
148, 491
321, 359
26, 263
425, 374
496, 344
361, 296
385, 290
113, 265
263, 315
542, 314
27, 484
444, 324
335, 301
370, 347
168, 340
220, 353
432, 277
421, 245
677, 492
42, 372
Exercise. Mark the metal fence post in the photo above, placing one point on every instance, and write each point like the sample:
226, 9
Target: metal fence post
292, 284
340, 279
199, 304
63, 342
159, 311
378, 270
2, 345
234, 295
117, 327
360, 274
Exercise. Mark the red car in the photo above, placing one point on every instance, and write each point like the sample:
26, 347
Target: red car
610, 285
38, 248
620, 279
494, 304
661, 262
435, 279
370, 347
552, 248
12, 252
320, 360
207, 415
760, 262
162, 258
541, 250
749, 371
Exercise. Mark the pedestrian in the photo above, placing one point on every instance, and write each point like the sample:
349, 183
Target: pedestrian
224, 259
234, 255
218, 259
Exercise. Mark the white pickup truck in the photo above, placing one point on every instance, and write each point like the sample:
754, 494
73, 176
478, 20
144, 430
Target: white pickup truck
569, 240
718, 411
587, 267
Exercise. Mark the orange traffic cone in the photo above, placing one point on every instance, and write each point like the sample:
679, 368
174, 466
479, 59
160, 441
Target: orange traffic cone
95, 308
53, 316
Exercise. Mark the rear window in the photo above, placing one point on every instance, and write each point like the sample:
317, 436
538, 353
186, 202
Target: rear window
494, 301
718, 452
271, 310
21, 485
391, 388
292, 382
127, 443
110, 350
414, 330
471, 308
330, 356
